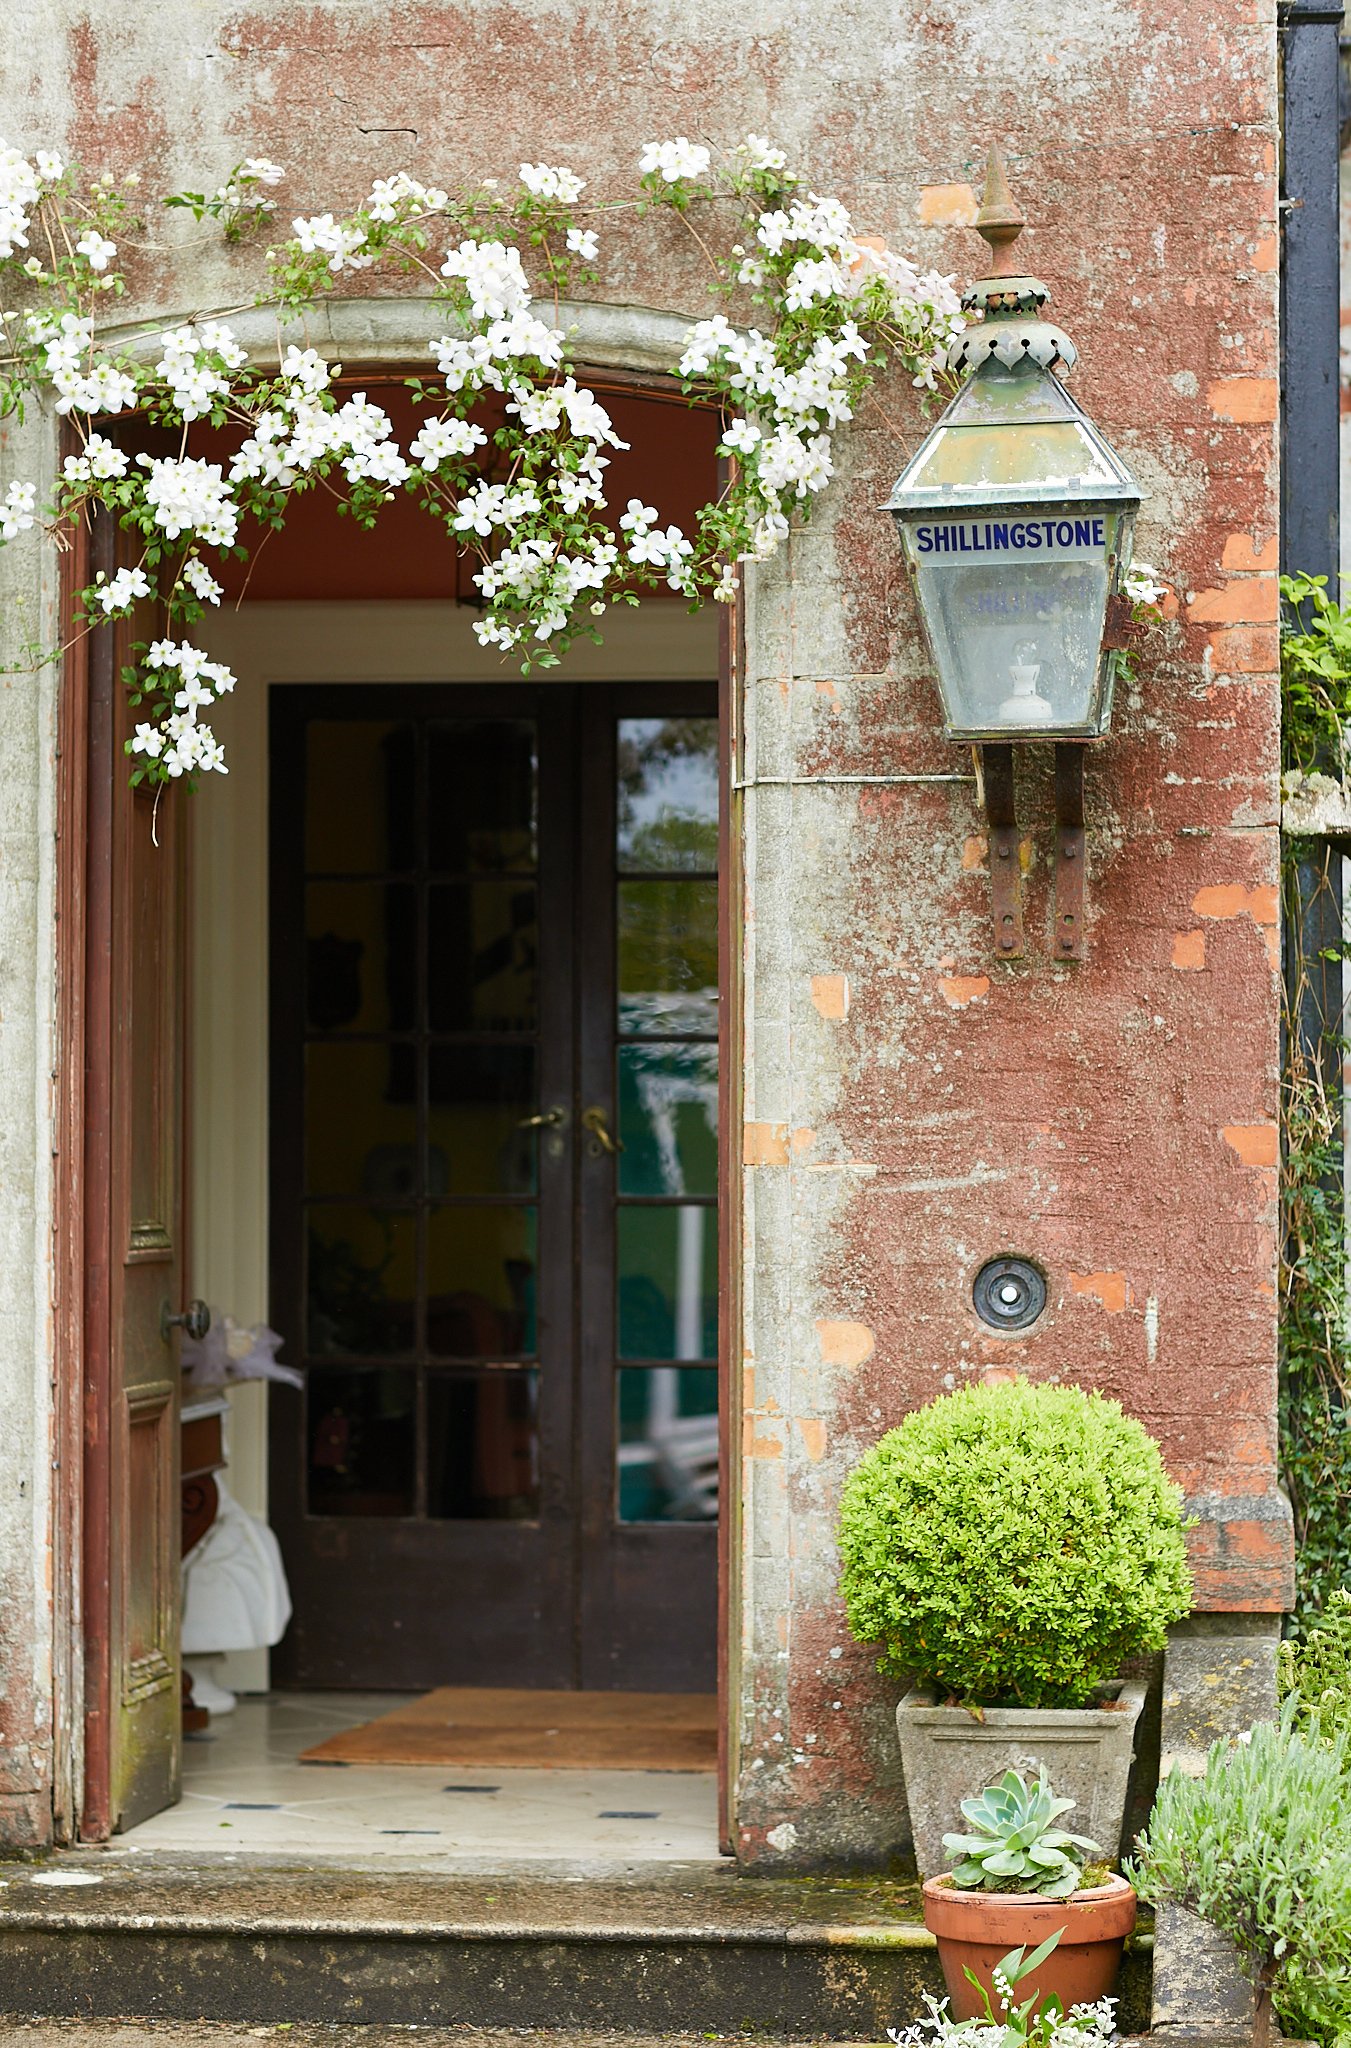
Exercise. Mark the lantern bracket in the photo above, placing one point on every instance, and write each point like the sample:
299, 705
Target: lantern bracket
1006, 869
1070, 883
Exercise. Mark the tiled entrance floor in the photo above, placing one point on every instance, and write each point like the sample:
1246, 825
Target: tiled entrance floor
245, 1790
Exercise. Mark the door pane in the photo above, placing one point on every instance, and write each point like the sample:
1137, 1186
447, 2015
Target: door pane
668, 793
668, 1443
361, 1120
483, 1446
668, 957
360, 956
481, 794
482, 948
481, 1273
362, 1281
359, 784
479, 1100
360, 1436
668, 1280
668, 1119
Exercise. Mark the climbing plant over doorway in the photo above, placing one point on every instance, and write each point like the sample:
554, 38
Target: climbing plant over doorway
511, 454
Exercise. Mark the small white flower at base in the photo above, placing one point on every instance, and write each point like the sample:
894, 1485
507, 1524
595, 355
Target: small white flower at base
553, 181
438, 439
120, 592
17, 512
1143, 584
96, 249
200, 581
583, 242
761, 155
674, 160
741, 437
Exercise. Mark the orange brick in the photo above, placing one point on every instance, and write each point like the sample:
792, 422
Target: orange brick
961, 989
1108, 1288
765, 1145
1243, 558
1189, 950
1244, 399
845, 1344
1248, 601
1255, 1144
947, 206
1245, 650
830, 995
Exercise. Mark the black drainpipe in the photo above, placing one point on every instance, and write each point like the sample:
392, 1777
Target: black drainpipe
1311, 108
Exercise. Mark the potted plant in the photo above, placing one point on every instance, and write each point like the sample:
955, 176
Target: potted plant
1017, 1878
1259, 1847
1009, 1546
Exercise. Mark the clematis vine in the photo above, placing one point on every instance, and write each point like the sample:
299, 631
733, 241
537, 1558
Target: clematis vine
512, 453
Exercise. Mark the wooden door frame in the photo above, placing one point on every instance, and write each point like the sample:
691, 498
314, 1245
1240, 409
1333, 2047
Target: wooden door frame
84, 1595
83, 1025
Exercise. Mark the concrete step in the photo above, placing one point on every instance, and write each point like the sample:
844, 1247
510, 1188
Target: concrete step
37, 2033
644, 1949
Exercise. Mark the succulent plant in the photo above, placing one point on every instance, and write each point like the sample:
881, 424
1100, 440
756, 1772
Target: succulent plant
1016, 1846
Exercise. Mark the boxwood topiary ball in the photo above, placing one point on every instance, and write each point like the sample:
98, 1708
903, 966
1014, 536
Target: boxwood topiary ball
1010, 1545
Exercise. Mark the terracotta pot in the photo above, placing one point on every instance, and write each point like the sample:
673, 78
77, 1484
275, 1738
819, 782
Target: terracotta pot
976, 1930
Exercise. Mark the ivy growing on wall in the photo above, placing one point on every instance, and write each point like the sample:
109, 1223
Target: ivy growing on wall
1315, 1421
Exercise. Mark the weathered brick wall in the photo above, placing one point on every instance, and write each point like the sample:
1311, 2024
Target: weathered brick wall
912, 1107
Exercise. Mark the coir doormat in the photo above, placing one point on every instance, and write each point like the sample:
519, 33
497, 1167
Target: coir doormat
498, 1729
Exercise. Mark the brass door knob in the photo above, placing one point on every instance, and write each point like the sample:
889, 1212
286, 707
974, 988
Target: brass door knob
194, 1322
596, 1121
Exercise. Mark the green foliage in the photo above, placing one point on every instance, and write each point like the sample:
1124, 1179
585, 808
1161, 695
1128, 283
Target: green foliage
1315, 1675
1315, 1419
1260, 1847
1012, 1544
1315, 677
1014, 1846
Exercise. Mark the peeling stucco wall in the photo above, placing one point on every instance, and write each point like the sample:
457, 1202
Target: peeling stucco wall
912, 1106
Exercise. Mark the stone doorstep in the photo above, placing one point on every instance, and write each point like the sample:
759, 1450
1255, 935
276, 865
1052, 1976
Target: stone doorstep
641, 1949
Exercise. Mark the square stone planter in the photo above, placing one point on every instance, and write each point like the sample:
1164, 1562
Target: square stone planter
948, 1756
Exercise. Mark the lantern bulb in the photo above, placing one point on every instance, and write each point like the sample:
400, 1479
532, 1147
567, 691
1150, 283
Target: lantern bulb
1025, 705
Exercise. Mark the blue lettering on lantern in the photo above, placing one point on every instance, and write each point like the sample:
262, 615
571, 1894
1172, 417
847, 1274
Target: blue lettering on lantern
1064, 533
1032, 532
924, 539
1001, 533
1083, 533
1099, 537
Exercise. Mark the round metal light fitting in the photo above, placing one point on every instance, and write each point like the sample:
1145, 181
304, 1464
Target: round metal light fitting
1009, 1294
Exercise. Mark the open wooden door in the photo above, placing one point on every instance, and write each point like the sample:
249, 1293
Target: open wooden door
134, 1271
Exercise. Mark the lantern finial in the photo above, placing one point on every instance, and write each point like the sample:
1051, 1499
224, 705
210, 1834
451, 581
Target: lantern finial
1001, 220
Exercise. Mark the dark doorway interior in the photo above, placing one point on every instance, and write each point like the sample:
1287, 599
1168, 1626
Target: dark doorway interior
494, 1175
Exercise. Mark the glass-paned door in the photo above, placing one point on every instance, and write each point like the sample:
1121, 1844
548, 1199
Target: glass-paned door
648, 1001
494, 1135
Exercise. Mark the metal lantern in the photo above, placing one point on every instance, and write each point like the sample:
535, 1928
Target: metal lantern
1016, 519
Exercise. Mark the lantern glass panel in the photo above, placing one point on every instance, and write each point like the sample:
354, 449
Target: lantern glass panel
1015, 607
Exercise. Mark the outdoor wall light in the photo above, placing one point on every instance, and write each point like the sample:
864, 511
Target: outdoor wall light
1016, 520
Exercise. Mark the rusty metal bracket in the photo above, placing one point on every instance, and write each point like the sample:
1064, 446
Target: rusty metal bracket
1070, 880
1119, 629
1006, 873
